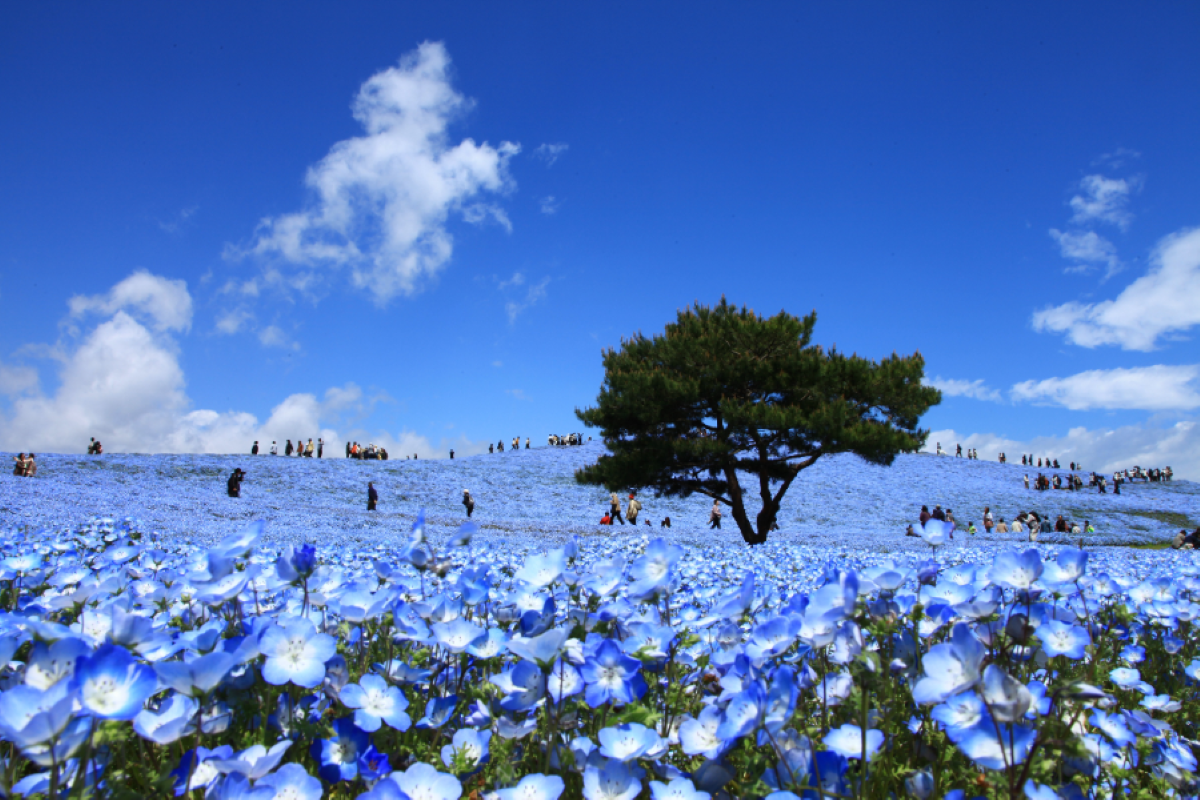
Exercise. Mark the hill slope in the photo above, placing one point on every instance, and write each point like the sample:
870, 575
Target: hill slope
840, 501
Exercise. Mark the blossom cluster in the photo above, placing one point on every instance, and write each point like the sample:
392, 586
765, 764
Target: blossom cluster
604, 668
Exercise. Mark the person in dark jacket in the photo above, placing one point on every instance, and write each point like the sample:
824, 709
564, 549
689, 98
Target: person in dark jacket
468, 503
372, 497
288, 449
320, 448
254, 450
925, 515
234, 485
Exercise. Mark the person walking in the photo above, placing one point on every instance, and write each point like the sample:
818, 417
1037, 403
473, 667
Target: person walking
372, 496
288, 450
614, 510
320, 448
631, 512
254, 449
714, 516
468, 503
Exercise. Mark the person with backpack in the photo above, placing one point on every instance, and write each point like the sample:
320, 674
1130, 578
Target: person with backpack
614, 509
631, 512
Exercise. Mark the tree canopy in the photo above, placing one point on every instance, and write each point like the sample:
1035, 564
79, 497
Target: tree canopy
723, 390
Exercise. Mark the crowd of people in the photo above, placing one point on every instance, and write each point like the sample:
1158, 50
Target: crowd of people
1028, 523
25, 465
554, 440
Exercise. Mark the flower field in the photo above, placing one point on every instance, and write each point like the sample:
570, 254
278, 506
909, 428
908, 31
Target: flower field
288, 644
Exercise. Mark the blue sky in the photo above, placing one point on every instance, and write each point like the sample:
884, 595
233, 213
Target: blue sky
420, 224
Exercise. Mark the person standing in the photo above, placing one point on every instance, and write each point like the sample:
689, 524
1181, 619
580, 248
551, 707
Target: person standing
288, 450
631, 513
320, 448
19, 465
526, 442
452, 458
372, 497
347, 449
491, 447
234, 485
468, 503
254, 450
614, 508
714, 516
309, 449
274, 448
988, 521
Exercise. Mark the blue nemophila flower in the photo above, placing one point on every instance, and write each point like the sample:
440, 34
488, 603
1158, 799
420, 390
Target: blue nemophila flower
542, 649
111, 684
771, 638
386, 789
678, 789
995, 746
458, 635
654, 571
959, 714
920, 784
339, 754
424, 782
744, 712
1063, 639
950, 667
175, 719
1017, 570
295, 565
255, 761
31, 716
630, 741
936, 533
540, 571
438, 712
534, 787
236, 786
698, 735
563, 681
848, 741
1007, 699
198, 768
50, 663
376, 702
199, 676
291, 781
469, 745
1113, 726
611, 780
523, 685
296, 653
611, 676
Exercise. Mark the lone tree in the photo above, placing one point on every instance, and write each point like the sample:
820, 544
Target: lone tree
724, 391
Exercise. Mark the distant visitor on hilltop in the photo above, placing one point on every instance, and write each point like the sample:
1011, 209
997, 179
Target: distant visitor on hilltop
95, 448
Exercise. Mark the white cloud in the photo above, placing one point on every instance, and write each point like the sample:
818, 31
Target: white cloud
1165, 301
232, 321
517, 279
273, 336
1104, 200
1155, 388
550, 152
176, 225
165, 302
953, 387
17, 379
1102, 450
533, 295
549, 205
1117, 158
122, 383
1088, 247
381, 201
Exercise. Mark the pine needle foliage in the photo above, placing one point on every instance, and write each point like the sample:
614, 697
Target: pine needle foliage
724, 391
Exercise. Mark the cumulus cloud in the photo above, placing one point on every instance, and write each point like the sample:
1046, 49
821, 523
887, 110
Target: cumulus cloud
1087, 248
381, 201
121, 382
953, 387
1103, 450
1155, 388
550, 152
1165, 301
1103, 199
233, 321
166, 303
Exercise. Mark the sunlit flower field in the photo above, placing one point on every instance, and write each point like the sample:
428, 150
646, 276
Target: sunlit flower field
161, 639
